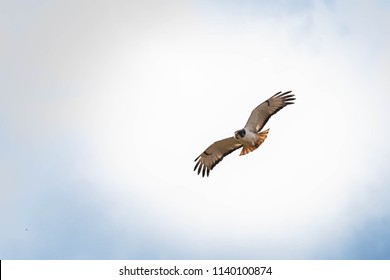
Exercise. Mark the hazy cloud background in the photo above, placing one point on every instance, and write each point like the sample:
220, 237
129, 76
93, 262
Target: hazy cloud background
104, 105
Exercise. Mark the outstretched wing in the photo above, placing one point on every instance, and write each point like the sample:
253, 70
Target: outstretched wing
261, 114
214, 154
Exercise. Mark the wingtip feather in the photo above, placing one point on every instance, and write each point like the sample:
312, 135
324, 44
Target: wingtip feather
196, 165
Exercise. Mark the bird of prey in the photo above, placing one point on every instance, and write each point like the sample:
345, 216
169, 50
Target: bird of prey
249, 138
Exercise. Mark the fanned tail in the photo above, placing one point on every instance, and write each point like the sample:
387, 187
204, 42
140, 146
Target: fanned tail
260, 139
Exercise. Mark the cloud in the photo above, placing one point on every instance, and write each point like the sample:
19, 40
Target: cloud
98, 94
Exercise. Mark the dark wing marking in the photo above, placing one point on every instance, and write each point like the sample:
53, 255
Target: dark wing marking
214, 154
261, 114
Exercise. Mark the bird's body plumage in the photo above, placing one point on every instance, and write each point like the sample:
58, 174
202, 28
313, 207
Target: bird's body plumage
249, 138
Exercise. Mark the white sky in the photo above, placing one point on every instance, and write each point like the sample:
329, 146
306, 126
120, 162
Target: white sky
105, 105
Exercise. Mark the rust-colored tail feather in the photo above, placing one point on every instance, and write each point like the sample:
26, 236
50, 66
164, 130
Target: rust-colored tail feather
260, 139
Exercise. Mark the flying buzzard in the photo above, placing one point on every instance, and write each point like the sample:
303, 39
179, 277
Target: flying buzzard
249, 138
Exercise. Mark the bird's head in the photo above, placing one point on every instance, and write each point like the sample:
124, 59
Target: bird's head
239, 133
